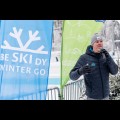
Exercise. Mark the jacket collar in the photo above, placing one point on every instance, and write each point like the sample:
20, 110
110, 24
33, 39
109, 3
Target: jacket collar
89, 51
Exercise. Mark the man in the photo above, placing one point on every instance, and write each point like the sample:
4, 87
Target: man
95, 65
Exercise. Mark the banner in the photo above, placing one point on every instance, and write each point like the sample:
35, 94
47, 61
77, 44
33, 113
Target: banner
25, 51
76, 37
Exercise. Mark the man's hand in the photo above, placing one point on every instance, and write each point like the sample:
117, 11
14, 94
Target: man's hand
85, 69
105, 52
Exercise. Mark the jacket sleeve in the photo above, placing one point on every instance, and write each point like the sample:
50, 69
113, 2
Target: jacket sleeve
113, 67
74, 73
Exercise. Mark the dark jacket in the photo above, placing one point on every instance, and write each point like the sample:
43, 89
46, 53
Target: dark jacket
97, 82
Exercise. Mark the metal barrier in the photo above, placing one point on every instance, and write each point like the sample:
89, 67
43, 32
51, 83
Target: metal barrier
53, 94
72, 91
50, 94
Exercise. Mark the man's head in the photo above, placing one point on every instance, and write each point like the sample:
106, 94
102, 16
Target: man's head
97, 42
95, 38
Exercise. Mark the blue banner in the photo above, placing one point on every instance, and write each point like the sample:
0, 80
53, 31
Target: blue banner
100, 21
25, 51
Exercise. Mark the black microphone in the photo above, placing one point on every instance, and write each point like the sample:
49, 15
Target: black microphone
103, 54
101, 50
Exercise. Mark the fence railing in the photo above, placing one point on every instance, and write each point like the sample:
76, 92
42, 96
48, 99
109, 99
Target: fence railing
71, 91
50, 94
74, 90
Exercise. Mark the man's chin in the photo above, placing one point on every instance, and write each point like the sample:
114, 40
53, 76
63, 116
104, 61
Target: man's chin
99, 50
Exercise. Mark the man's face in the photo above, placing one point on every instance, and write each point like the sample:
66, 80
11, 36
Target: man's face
97, 46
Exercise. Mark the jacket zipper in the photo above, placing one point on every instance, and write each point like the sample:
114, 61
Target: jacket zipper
101, 80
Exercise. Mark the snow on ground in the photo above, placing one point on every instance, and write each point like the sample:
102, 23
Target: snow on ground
54, 72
